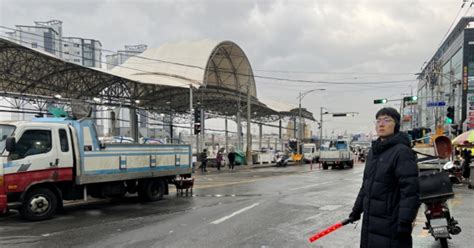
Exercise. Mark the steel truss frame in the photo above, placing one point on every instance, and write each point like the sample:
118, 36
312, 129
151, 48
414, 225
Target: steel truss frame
35, 76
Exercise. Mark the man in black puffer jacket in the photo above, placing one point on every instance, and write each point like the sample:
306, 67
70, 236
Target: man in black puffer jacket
389, 196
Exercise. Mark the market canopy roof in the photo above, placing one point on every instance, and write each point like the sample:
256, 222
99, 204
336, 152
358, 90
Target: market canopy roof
219, 73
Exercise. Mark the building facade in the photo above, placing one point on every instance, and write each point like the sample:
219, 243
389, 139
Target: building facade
45, 36
121, 56
86, 52
48, 36
447, 83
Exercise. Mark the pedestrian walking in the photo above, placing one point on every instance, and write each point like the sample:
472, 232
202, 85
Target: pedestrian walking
231, 157
219, 159
203, 158
389, 197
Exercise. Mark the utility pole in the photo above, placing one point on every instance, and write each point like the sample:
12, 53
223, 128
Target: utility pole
191, 116
298, 140
321, 128
300, 128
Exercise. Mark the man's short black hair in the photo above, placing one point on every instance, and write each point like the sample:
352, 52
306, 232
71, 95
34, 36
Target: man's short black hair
392, 113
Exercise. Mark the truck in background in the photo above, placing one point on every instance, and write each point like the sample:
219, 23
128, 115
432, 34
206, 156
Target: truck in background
48, 160
310, 154
336, 153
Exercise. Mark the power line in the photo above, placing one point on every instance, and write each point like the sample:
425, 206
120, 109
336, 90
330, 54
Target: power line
198, 67
336, 73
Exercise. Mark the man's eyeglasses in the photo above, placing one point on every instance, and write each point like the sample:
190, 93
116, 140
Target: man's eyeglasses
384, 121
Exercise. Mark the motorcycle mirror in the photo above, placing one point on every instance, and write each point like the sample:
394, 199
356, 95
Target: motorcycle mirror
443, 147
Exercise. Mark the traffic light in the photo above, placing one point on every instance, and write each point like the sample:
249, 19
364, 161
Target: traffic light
380, 101
449, 115
410, 98
197, 120
197, 115
197, 128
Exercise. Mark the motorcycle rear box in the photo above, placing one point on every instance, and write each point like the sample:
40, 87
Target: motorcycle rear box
435, 186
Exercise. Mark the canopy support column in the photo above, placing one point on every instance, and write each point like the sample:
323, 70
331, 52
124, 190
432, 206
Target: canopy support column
226, 136
249, 130
133, 124
239, 132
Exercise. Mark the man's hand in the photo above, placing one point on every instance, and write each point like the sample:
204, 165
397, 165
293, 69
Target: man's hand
353, 217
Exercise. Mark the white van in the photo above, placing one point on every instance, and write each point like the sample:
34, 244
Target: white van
309, 153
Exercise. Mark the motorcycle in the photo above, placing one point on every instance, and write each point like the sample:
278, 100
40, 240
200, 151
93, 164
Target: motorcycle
435, 191
282, 160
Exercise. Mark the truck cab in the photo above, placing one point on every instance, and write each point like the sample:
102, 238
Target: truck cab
310, 154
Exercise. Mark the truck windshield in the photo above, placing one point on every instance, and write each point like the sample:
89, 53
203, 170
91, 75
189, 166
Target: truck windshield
5, 131
307, 150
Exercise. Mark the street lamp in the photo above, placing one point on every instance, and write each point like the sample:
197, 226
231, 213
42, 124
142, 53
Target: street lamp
300, 133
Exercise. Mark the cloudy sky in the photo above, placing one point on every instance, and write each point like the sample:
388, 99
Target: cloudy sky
355, 41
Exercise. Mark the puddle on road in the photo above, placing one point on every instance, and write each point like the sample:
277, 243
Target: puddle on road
225, 195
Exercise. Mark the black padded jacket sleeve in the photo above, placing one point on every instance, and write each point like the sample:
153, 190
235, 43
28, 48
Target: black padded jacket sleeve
406, 172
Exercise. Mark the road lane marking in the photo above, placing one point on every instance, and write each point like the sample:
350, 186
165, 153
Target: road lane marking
314, 216
309, 186
234, 214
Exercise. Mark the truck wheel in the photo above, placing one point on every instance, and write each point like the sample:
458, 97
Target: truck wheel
351, 164
39, 204
152, 190
325, 166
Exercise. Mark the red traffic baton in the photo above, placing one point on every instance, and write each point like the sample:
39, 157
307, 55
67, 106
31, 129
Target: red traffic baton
328, 230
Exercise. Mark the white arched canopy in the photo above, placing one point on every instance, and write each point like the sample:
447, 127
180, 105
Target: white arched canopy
219, 73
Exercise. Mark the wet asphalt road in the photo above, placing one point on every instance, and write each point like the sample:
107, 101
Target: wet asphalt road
265, 207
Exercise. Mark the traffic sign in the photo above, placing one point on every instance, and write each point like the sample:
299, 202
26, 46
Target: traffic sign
435, 104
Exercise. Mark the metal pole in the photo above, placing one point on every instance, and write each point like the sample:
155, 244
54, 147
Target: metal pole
321, 128
112, 123
191, 121
239, 132
260, 136
298, 140
249, 131
279, 134
226, 137
294, 128
133, 124
171, 127
203, 129
213, 142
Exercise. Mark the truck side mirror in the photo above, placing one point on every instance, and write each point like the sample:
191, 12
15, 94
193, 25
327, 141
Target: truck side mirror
10, 144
